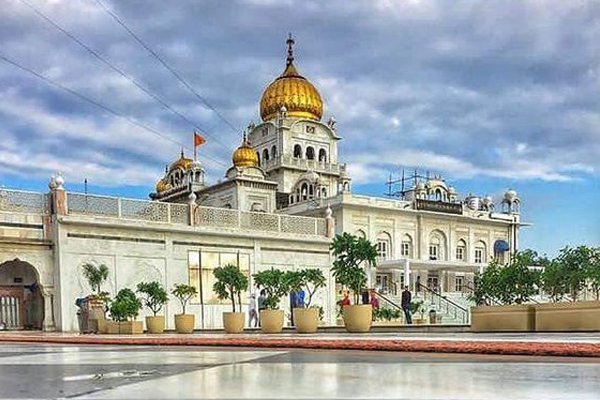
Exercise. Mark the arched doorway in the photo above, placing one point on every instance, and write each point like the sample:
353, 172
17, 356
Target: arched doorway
21, 299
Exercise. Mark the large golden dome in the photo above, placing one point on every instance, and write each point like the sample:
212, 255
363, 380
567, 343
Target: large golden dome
292, 91
245, 155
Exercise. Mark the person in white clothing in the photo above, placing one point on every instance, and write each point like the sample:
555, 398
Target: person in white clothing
253, 313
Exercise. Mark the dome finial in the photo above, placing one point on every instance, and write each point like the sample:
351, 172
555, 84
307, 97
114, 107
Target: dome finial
290, 43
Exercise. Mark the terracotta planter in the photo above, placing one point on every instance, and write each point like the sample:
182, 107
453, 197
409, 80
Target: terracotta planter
112, 327
306, 319
155, 324
233, 322
517, 318
358, 318
184, 323
572, 317
271, 321
131, 328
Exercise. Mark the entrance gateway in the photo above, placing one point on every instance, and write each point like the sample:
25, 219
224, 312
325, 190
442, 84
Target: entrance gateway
21, 301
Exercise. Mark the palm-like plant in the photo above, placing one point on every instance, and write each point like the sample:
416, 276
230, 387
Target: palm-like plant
95, 275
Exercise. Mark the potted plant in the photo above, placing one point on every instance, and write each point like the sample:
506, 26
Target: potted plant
274, 283
418, 306
154, 297
305, 315
184, 323
230, 284
351, 252
96, 275
124, 309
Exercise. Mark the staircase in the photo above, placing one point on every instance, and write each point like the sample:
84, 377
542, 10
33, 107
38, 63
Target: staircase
454, 308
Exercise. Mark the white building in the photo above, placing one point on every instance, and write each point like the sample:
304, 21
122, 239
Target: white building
280, 203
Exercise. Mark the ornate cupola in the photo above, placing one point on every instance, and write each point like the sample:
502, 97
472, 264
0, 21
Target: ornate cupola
245, 155
292, 92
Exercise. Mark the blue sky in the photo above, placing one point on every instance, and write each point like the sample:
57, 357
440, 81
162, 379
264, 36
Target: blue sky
491, 94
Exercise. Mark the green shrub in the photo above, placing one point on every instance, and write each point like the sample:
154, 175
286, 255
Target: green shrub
125, 306
184, 293
230, 284
154, 295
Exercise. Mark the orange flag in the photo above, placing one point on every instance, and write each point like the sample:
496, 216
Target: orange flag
198, 139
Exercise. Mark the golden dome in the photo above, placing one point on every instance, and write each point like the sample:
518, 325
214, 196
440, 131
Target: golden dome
162, 185
183, 163
292, 91
245, 155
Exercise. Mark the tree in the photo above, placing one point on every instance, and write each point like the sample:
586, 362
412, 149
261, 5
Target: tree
155, 296
230, 284
513, 283
275, 284
576, 264
351, 252
593, 272
95, 275
313, 280
184, 293
125, 306
554, 282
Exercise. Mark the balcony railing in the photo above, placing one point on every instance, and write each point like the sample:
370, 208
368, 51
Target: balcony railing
302, 163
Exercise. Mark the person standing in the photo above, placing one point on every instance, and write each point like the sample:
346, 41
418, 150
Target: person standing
365, 297
406, 300
261, 303
374, 300
253, 313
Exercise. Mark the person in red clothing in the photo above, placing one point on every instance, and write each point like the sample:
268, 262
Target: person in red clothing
346, 299
374, 300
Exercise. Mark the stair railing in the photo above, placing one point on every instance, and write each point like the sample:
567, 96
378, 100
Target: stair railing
443, 304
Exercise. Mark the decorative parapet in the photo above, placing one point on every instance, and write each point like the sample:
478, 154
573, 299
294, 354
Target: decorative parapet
154, 211
256, 221
21, 201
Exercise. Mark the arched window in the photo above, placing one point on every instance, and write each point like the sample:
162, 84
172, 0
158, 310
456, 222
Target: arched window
406, 246
437, 245
304, 191
258, 158
384, 246
361, 234
273, 152
480, 252
311, 191
310, 153
322, 155
461, 250
324, 192
266, 155
297, 151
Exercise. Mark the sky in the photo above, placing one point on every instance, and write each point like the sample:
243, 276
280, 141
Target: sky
490, 94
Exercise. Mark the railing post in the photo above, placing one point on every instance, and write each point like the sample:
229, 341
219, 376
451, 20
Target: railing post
168, 212
119, 212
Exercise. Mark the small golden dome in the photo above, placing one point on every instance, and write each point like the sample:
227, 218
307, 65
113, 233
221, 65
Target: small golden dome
292, 91
245, 155
161, 186
183, 163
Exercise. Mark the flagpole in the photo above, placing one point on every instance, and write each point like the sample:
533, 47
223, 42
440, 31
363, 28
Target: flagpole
194, 143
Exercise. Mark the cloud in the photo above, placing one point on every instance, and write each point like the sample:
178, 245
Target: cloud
494, 89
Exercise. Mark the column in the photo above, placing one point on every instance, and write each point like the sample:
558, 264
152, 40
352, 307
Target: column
406, 273
48, 324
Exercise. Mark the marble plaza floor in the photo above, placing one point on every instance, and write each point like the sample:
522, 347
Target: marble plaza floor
154, 372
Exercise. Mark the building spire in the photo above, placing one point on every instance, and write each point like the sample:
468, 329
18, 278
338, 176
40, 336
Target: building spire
290, 43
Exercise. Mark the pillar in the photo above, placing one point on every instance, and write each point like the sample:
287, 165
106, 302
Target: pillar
406, 273
48, 324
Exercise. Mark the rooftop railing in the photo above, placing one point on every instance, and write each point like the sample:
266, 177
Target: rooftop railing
22, 201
